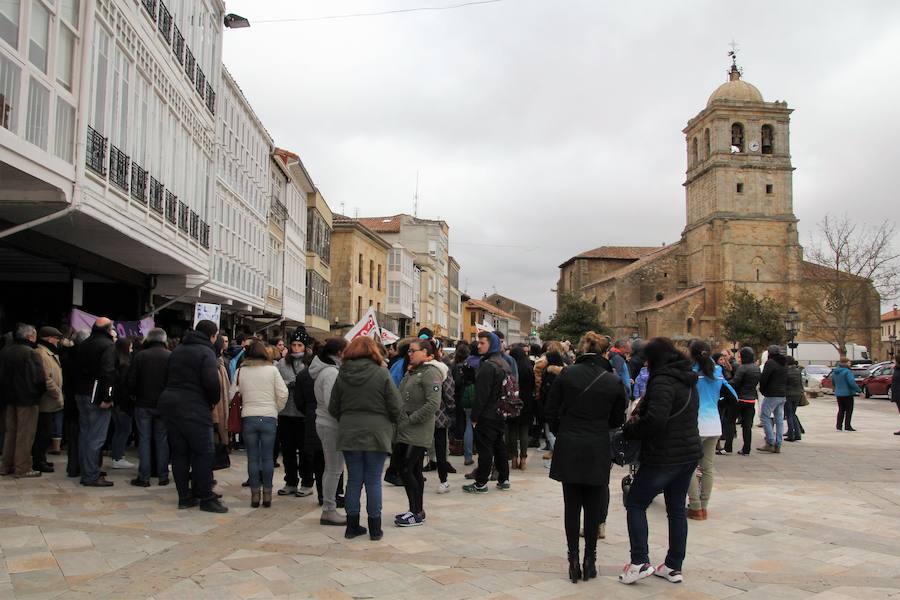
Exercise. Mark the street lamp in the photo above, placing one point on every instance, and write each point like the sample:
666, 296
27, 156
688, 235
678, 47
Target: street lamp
893, 340
792, 326
234, 21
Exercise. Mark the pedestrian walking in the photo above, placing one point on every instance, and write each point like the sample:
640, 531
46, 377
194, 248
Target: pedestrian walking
191, 390
585, 402
845, 388
420, 393
366, 404
711, 386
666, 425
745, 381
263, 395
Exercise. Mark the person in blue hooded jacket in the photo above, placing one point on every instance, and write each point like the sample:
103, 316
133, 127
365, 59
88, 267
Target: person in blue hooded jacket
711, 386
845, 389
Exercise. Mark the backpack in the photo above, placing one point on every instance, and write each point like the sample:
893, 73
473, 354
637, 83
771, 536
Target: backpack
509, 405
466, 389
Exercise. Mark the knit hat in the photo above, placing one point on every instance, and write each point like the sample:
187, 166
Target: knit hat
300, 335
425, 334
775, 350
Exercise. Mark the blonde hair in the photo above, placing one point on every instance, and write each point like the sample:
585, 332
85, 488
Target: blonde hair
555, 346
593, 343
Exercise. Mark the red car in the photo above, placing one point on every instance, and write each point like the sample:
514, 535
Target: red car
878, 382
860, 373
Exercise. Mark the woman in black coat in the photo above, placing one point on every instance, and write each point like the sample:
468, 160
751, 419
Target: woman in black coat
585, 401
518, 428
666, 425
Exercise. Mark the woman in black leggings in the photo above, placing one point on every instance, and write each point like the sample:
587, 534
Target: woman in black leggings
585, 401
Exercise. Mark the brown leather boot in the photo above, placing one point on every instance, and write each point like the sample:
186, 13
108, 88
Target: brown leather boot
267, 497
695, 514
55, 446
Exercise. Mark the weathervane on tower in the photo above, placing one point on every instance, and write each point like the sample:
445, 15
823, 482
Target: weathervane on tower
735, 72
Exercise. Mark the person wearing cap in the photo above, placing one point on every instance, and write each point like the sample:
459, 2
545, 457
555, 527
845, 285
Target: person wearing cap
22, 385
773, 387
52, 400
291, 421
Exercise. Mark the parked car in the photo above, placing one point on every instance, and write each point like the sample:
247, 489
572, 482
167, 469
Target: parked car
859, 374
827, 385
878, 382
817, 372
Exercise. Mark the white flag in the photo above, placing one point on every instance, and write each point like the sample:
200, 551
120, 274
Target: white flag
367, 326
485, 326
388, 338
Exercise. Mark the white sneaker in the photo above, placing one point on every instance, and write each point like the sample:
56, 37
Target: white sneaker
443, 488
632, 573
122, 464
669, 574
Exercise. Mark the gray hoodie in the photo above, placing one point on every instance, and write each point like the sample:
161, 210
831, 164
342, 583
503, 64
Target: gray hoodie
289, 374
323, 376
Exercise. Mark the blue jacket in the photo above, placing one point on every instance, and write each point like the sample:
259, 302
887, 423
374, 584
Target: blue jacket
710, 390
620, 366
843, 381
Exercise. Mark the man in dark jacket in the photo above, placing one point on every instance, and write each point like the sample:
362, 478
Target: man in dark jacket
191, 390
744, 382
22, 383
773, 387
489, 425
146, 379
95, 373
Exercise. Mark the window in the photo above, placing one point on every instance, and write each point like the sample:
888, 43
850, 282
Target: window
65, 50
359, 306
737, 137
768, 139
98, 83
694, 157
473, 317
9, 22
9, 92
65, 130
68, 10
379, 278
706, 142
359, 275
38, 114
740, 188
371, 273
770, 188
38, 36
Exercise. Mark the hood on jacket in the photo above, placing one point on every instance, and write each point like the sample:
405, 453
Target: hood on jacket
444, 369
680, 370
359, 371
747, 356
195, 337
318, 365
495, 343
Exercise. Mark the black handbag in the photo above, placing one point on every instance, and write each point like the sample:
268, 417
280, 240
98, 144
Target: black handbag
221, 460
624, 451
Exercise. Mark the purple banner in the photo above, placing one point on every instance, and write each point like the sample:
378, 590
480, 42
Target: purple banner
83, 321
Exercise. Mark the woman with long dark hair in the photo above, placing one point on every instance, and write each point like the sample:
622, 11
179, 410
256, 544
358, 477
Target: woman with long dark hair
518, 427
745, 380
585, 401
710, 384
666, 425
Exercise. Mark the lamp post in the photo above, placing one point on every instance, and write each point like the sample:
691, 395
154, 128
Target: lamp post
792, 326
233, 21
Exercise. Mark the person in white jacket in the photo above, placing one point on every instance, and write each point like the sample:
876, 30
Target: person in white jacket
263, 395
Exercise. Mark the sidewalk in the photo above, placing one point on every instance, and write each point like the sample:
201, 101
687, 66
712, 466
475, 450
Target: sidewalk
820, 520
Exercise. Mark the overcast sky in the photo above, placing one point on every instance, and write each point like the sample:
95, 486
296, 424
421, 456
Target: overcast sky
543, 128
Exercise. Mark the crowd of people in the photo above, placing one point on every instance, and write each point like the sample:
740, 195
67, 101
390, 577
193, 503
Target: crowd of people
336, 412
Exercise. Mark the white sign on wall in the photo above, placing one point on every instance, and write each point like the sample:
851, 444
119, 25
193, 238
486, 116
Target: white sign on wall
207, 312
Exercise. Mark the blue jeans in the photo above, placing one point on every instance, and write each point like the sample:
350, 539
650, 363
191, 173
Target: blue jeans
364, 467
259, 439
152, 433
121, 430
57, 431
793, 423
773, 408
93, 423
673, 481
468, 436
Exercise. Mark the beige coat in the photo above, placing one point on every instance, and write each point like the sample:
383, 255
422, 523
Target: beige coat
262, 388
52, 400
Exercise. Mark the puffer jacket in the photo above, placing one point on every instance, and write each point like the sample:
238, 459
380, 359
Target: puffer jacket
366, 404
324, 374
666, 421
745, 380
263, 391
843, 381
773, 382
192, 381
420, 392
794, 383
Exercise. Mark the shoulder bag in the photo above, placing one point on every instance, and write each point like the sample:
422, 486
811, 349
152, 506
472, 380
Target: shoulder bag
235, 407
625, 451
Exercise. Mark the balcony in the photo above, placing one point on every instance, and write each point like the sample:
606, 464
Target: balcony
178, 44
195, 225
150, 5
278, 211
138, 183
183, 218
118, 168
200, 84
171, 207
164, 23
210, 99
156, 195
189, 63
96, 152
204, 234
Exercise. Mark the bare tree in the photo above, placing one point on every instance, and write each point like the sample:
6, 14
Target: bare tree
852, 267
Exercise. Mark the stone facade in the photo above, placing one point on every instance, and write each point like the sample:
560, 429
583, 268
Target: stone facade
740, 231
359, 259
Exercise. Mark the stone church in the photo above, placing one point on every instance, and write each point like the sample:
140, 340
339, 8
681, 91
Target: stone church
740, 230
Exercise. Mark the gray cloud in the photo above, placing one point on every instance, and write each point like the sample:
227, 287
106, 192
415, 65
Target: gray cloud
555, 126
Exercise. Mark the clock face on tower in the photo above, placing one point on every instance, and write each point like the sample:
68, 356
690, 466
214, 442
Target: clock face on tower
754, 146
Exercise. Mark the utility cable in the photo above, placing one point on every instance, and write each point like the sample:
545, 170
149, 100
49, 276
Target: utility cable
380, 13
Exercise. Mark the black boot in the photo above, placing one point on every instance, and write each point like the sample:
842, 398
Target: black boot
574, 567
375, 532
589, 566
353, 528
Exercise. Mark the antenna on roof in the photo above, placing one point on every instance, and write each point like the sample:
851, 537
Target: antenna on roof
416, 197
343, 210
355, 212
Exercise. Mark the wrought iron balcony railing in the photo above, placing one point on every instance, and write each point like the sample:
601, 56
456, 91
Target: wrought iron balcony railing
195, 225
178, 44
204, 234
138, 183
183, 218
210, 99
164, 22
156, 195
96, 152
189, 63
118, 168
150, 5
201, 82
171, 207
